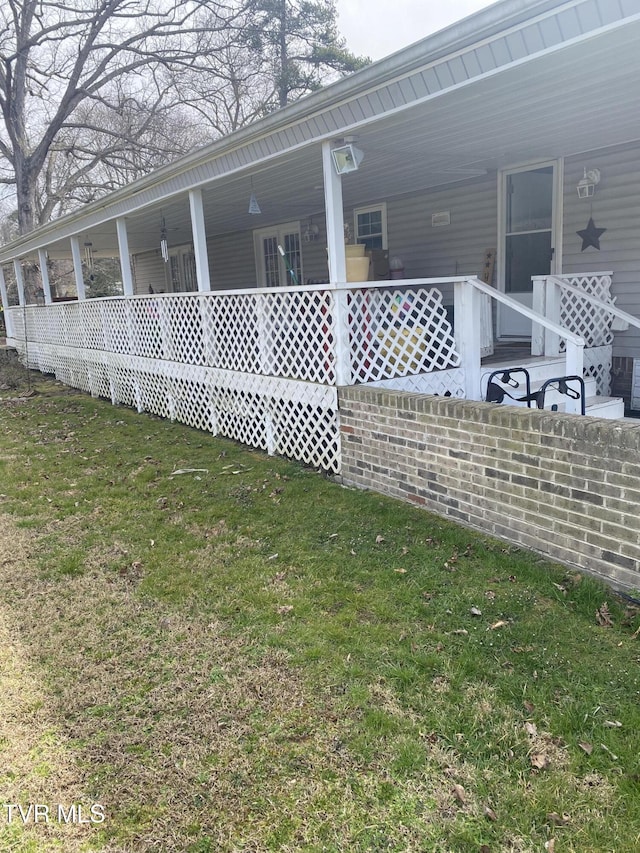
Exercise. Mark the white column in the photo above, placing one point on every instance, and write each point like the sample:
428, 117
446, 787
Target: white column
5, 304
77, 268
17, 266
199, 240
44, 275
466, 308
337, 264
125, 260
335, 217
553, 298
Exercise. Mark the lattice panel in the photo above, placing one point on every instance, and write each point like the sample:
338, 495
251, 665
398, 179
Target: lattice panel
582, 317
296, 419
231, 334
443, 383
597, 364
296, 335
399, 333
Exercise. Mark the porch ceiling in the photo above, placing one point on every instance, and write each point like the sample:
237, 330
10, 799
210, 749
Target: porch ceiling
578, 99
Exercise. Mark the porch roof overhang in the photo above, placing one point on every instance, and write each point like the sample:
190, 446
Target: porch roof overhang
517, 82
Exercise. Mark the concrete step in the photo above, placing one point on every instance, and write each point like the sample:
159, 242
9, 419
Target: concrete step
541, 370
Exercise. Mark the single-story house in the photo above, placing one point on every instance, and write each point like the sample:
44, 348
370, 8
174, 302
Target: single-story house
491, 175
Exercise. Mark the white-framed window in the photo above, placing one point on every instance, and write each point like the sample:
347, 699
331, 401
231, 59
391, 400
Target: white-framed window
278, 255
370, 226
181, 270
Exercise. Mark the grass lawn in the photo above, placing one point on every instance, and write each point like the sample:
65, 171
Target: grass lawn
249, 657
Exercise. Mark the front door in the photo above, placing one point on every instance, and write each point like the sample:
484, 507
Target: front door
528, 239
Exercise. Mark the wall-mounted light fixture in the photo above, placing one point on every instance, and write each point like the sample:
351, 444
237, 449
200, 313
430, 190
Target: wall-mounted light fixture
346, 158
587, 184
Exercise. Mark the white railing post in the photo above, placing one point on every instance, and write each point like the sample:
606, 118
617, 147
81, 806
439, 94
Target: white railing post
466, 313
342, 348
539, 301
574, 366
553, 297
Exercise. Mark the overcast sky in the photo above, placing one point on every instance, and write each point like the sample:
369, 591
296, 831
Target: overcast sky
377, 28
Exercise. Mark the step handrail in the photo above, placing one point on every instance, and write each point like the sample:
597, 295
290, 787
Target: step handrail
540, 319
607, 306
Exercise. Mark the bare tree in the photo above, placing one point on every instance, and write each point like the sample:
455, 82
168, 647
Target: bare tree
56, 57
271, 53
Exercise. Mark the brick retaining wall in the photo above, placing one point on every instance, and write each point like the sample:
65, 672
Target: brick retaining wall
563, 485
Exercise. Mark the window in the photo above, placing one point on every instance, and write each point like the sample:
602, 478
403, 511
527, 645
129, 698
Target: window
371, 226
278, 255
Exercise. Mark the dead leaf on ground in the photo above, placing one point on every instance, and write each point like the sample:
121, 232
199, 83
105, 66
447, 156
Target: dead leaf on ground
379, 539
484, 848
531, 729
539, 761
603, 616
612, 724
400, 571
560, 587
529, 706
283, 609
475, 611
499, 624
586, 747
459, 793
550, 845
490, 814
559, 819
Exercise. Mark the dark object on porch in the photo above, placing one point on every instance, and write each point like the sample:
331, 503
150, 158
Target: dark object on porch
496, 393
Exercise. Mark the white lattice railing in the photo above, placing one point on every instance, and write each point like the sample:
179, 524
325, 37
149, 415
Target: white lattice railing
259, 366
582, 304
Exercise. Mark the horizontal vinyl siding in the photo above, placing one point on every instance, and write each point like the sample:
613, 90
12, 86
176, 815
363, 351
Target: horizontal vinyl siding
616, 207
231, 261
149, 271
448, 250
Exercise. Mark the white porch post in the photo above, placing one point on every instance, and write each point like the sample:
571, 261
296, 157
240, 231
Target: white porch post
77, 268
17, 268
8, 320
337, 264
466, 308
334, 216
199, 240
44, 275
125, 260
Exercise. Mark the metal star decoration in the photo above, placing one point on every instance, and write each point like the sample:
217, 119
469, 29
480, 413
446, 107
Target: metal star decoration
591, 235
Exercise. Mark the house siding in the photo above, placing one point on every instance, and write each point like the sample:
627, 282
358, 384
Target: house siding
149, 271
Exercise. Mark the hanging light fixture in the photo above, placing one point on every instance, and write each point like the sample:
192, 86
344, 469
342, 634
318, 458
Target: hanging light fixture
254, 207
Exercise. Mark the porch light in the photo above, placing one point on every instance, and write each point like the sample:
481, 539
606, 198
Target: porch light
587, 184
346, 159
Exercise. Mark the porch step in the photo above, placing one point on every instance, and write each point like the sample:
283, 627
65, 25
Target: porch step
542, 369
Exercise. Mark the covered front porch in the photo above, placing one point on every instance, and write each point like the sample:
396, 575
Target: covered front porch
455, 163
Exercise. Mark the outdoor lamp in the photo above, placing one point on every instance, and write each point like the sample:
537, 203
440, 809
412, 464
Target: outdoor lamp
346, 158
587, 184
